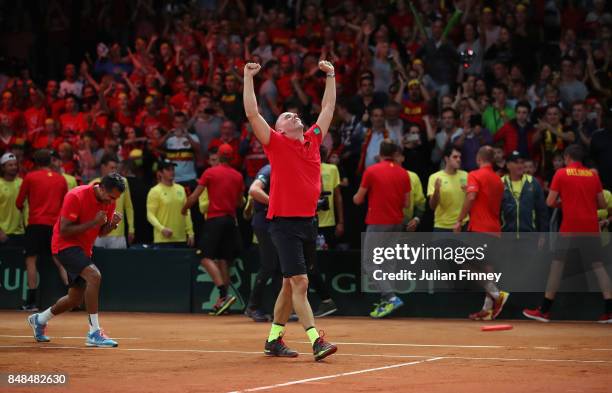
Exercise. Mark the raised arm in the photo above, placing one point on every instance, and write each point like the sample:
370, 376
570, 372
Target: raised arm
259, 124
328, 104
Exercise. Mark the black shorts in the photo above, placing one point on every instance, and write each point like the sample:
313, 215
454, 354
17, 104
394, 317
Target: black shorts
587, 248
295, 242
220, 238
38, 240
74, 260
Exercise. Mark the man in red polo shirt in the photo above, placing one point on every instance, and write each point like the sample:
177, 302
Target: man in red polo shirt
579, 193
87, 212
220, 239
388, 190
483, 199
44, 191
294, 191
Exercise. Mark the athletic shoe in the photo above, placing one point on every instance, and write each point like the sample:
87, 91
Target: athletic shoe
325, 309
256, 315
322, 349
29, 307
605, 318
223, 304
482, 315
386, 307
537, 314
39, 330
278, 348
100, 339
499, 303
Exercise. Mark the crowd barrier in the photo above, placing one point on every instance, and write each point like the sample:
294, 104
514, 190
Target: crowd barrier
154, 280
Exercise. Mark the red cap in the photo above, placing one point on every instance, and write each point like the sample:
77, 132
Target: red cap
225, 150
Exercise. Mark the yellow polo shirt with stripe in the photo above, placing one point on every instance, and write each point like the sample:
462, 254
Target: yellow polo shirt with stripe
11, 219
452, 195
164, 204
331, 180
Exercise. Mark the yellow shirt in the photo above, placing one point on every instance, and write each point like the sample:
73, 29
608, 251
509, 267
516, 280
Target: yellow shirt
203, 202
71, 181
123, 206
417, 199
452, 195
517, 187
11, 218
331, 180
164, 204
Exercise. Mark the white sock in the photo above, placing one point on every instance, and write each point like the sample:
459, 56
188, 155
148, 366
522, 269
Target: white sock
93, 323
45, 316
488, 303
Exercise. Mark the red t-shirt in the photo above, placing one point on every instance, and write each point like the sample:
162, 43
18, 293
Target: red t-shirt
578, 188
387, 184
80, 206
413, 112
44, 190
489, 189
71, 122
34, 119
225, 187
295, 182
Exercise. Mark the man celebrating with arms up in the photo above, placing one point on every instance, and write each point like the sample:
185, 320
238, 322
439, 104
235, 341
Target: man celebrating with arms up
295, 188
87, 212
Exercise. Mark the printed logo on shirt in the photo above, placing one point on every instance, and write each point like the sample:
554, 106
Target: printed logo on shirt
579, 172
317, 130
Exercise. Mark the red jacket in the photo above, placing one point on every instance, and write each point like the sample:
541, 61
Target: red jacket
509, 134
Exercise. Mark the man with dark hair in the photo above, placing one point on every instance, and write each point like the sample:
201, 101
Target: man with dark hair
445, 190
518, 134
483, 200
295, 189
87, 212
362, 103
220, 238
123, 205
268, 92
578, 191
499, 112
44, 191
448, 132
388, 190
164, 201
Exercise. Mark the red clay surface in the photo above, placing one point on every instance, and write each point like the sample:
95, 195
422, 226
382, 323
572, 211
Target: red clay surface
198, 353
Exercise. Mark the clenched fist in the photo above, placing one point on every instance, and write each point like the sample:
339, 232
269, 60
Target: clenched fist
251, 69
326, 66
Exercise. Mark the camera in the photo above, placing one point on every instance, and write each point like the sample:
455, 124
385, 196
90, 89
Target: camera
467, 58
323, 202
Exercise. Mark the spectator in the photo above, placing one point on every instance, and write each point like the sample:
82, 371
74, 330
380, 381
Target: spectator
268, 92
415, 105
44, 191
518, 134
230, 137
445, 135
164, 201
582, 127
206, 123
183, 149
70, 85
473, 137
362, 103
372, 138
497, 114
571, 89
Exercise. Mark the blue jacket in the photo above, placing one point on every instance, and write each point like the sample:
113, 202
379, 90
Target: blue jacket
528, 212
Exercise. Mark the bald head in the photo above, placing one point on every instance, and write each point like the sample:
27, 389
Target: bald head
485, 155
290, 124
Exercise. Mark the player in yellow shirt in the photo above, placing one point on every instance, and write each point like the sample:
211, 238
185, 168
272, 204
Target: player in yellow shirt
446, 191
171, 229
12, 226
415, 210
123, 205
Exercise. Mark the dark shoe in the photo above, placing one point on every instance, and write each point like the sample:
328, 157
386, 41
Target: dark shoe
322, 349
29, 307
278, 348
256, 315
325, 309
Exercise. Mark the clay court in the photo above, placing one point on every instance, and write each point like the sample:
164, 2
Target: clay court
196, 353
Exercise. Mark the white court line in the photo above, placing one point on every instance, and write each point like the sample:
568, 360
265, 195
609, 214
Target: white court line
309, 354
409, 345
280, 385
67, 337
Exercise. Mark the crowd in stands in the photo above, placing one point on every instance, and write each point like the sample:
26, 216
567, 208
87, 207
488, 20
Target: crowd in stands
141, 83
